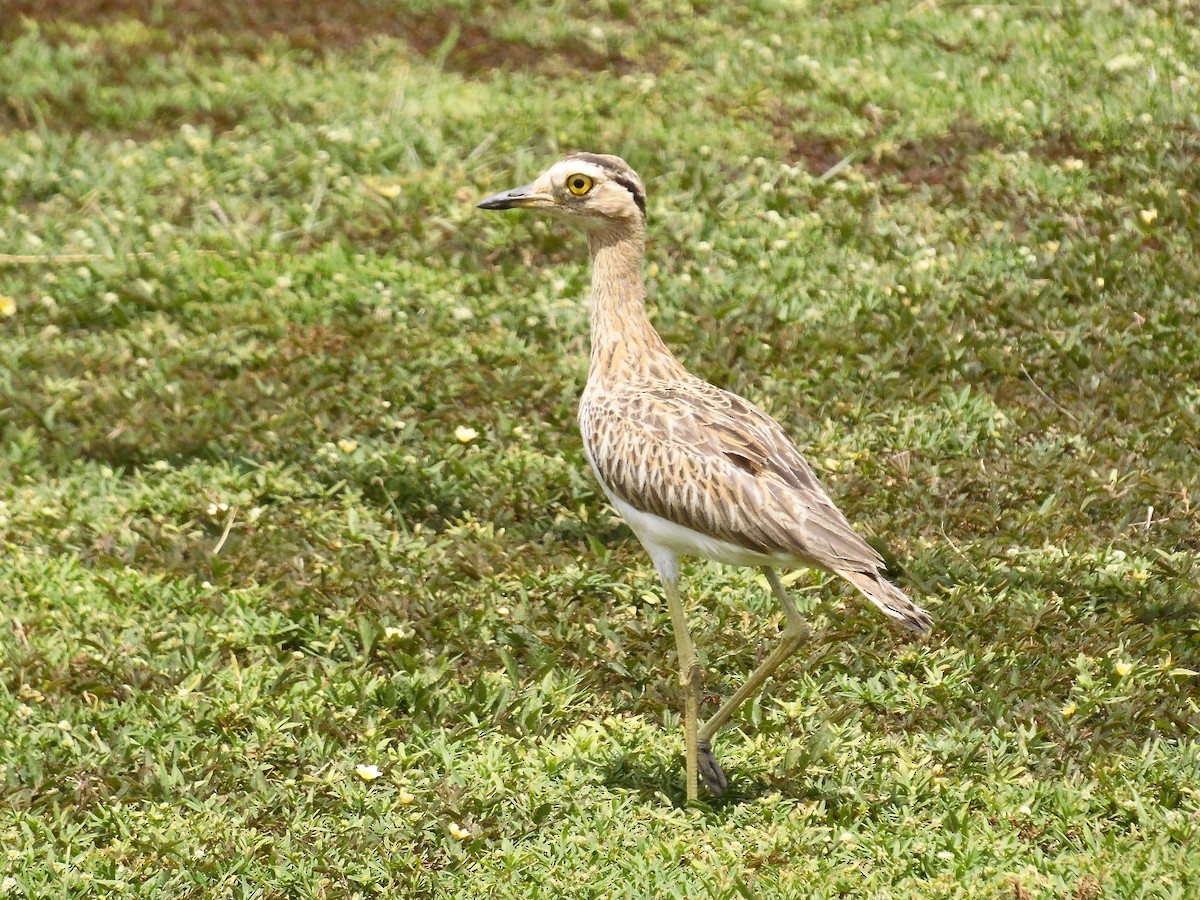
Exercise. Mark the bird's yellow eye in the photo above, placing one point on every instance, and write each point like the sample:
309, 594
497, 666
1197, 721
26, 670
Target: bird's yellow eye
579, 185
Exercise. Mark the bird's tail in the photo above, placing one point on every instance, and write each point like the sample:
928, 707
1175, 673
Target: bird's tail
891, 600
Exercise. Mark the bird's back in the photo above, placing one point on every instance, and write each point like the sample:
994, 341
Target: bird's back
682, 451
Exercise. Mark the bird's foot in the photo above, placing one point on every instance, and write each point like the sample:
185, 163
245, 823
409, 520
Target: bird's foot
710, 772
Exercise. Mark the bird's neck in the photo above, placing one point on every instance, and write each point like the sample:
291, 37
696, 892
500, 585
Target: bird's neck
624, 343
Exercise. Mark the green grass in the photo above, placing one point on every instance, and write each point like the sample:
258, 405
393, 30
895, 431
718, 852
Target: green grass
247, 303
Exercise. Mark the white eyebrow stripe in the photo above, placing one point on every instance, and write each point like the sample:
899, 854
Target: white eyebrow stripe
561, 171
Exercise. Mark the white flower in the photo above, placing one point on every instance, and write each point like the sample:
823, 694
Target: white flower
464, 434
458, 831
1122, 62
367, 773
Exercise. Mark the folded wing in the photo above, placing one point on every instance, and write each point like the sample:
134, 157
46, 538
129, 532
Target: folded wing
710, 460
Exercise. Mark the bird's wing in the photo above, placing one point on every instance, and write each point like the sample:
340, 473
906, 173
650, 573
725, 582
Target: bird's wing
669, 449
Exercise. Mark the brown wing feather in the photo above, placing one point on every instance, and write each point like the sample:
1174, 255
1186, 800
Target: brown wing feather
662, 448
731, 425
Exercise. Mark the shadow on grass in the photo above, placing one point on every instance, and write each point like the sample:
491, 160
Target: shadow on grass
653, 776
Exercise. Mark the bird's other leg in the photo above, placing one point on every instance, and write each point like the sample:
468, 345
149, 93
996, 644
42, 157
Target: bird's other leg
689, 667
794, 634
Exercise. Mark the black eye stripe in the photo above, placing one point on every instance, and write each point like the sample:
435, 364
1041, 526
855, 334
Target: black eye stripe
638, 197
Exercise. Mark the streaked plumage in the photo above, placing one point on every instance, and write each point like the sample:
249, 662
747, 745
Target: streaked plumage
693, 469
713, 462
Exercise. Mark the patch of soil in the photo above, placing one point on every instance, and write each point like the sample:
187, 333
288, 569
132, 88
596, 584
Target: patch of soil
456, 39
469, 44
1063, 145
818, 152
475, 50
318, 25
939, 161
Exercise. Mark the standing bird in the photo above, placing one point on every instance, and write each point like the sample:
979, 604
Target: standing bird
693, 469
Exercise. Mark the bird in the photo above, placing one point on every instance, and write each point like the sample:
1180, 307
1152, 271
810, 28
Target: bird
693, 469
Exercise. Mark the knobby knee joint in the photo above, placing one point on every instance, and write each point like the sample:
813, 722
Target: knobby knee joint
796, 633
690, 674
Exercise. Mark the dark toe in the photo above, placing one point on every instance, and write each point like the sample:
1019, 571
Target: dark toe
712, 774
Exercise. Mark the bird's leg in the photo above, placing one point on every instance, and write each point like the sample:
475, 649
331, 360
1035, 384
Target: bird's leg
794, 634
689, 678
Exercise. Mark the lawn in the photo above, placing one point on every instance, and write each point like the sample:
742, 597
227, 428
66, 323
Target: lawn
307, 591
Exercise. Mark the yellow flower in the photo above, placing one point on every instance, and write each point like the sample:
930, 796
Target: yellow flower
8, 307
367, 773
1122, 668
347, 446
405, 797
1068, 709
390, 190
1148, 215
459, 832
464, 434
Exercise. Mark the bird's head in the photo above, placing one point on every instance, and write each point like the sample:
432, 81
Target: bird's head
595, 190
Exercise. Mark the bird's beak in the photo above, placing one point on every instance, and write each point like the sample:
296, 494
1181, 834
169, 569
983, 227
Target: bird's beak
518, 198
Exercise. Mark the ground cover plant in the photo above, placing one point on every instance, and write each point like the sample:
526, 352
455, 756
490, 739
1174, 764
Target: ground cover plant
306, 591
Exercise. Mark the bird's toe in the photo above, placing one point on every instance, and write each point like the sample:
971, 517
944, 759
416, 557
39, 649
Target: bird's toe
710, 771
